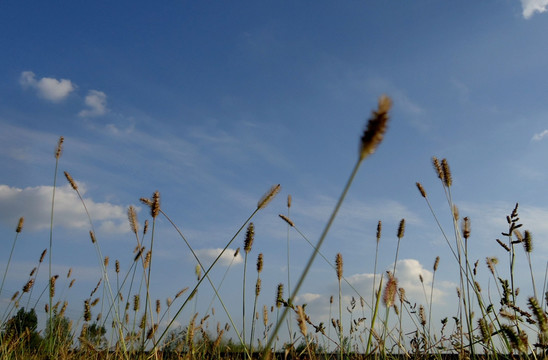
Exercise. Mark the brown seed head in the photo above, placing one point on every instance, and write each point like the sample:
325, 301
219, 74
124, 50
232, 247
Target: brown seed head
52, 285
117, 266
279, 295
436, 263
43, 255
437, 167
447, 179
145, 227
258, 287
106, 261
46, 308
136, 302
71, 283
20, 225
148, 256
287, 220
71, 181
288, 201
95, 302
69, 273
339, 264
390, 291
87, 310
158, 306
132, 217
92, 236
528, 241
466, 227
267, 198
301, 320
401, 228
33, 271
260, 263
455, 212
249, 237
265, 315
155, 207
236, 252
379, 230
181, 292
422, 315
421, 189
14, 296
376, 127
59, 148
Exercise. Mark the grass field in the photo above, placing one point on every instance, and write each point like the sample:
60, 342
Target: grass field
120, 319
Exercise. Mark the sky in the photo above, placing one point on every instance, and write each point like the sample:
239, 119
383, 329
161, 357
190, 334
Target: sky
213, 103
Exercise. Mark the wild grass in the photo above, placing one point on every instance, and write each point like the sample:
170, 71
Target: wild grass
122, 319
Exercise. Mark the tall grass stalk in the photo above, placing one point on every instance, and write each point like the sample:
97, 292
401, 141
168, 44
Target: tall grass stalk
17, 231
58, 152
371, 138
248, 243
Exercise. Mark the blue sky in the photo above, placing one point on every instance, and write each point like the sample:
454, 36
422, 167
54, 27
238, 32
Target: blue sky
212, 103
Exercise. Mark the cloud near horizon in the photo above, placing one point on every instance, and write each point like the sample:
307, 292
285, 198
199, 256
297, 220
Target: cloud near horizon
47, 88
34, 204
532, 6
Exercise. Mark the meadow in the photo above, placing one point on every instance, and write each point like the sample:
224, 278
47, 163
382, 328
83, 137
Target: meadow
120, 319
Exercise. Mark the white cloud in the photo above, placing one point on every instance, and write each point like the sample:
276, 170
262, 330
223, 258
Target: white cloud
208, 255
34, 204
541, 135
48, 88
532, 6
306, 298
97, 104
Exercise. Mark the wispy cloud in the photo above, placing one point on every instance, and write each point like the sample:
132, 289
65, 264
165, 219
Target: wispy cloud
34, 203
96, 101
207, 256
532, 6
47, 88
539, 136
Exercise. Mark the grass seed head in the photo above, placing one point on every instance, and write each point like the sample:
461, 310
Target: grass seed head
249, 237
379, 230
390, 291
20, 225
528, 241
155, 207
438, 168
260, 263
279, 295
132, 217
436, 263
59, 148
447, 179
376, 127
287, 220
267, 198
421, 189
466, 227
71, 181
401, 228
339, 264
43, 255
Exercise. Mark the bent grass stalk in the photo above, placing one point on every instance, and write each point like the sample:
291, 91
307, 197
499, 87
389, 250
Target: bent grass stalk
117, 321
263, 202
